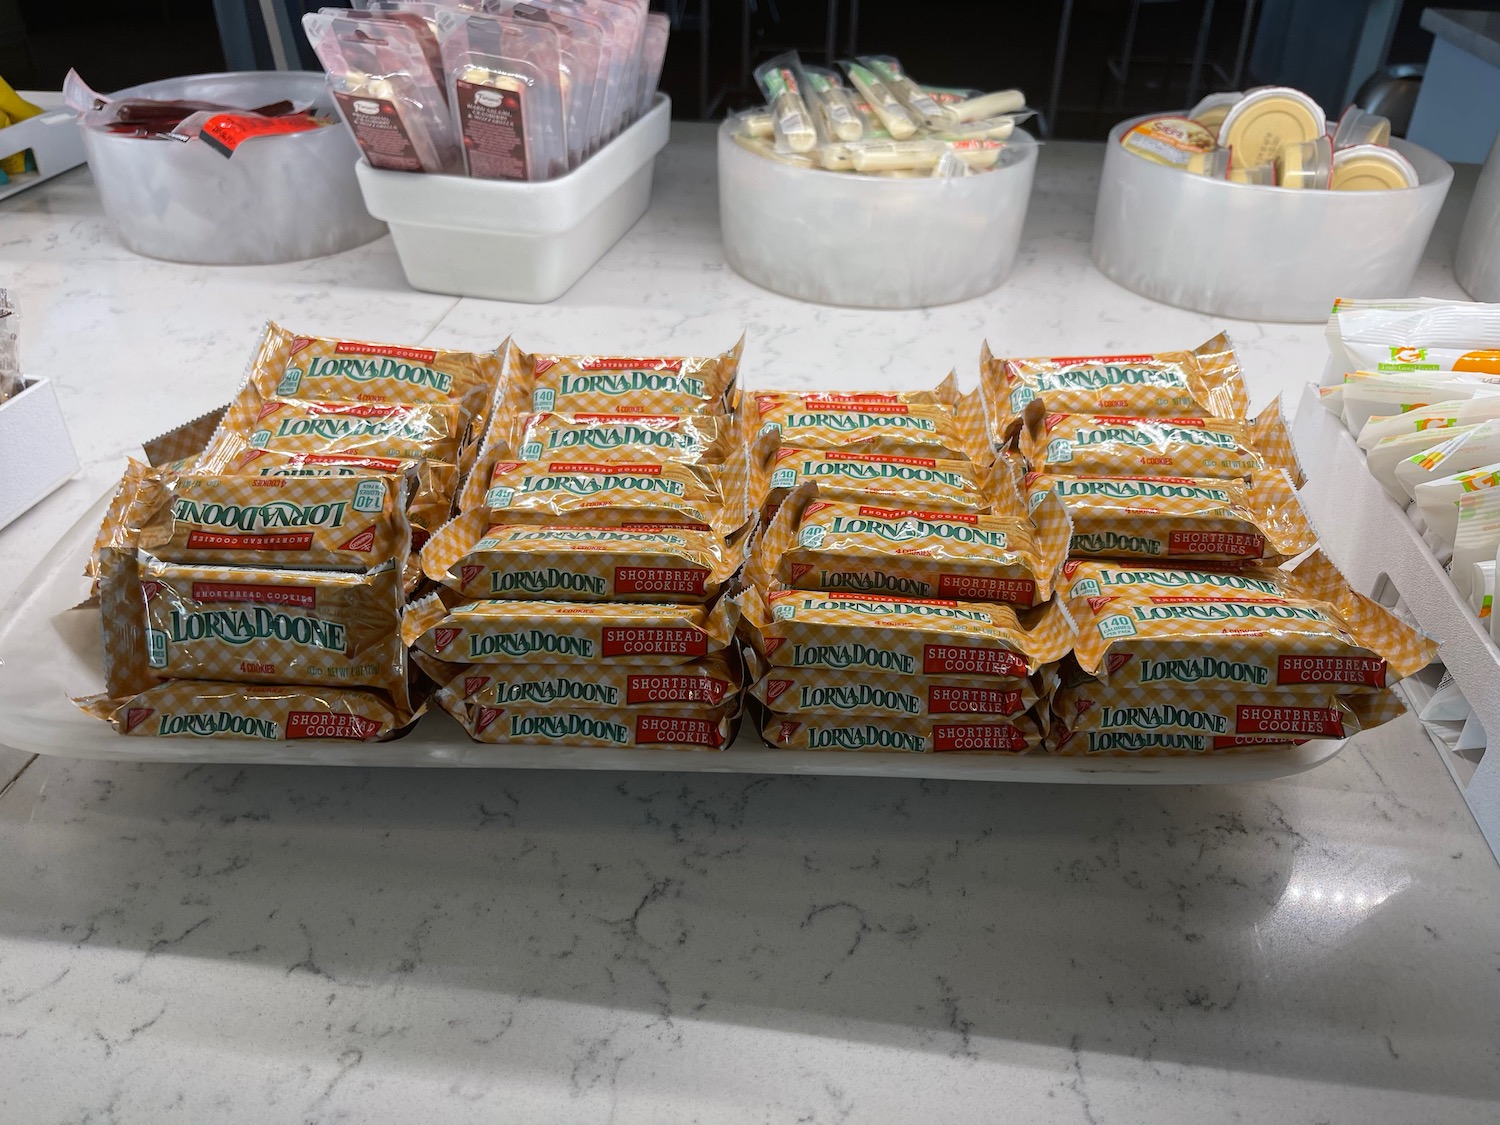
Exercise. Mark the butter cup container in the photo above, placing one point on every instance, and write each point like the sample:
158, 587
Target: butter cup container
1305, 165
1262, 175
1356, 127
1212, 110
1179, 142
1372, 168
1266, 120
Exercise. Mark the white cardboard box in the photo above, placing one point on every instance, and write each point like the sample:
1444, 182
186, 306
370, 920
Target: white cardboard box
53, 138
36, 454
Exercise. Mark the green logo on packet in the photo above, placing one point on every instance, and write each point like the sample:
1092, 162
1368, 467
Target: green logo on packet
542, 399
1117, 626
291, 379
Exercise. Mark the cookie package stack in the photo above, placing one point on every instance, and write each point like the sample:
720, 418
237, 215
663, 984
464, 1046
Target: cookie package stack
253, 587
900, 596
584, 584
1207, 623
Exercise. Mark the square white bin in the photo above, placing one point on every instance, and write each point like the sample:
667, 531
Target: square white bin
36, 454
517, 241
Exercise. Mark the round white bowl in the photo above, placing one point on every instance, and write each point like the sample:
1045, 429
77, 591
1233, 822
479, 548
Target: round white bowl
1259, 253
867, 241
277, 199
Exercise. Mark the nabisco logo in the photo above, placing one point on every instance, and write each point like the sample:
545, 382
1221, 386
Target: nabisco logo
442, 638
135, 716
775, 689
468, 572
473, 685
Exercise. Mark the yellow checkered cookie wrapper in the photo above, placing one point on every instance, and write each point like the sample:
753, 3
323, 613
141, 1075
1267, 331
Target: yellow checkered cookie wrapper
959, 734
253, 625
611, 559
1300, 631
1135, 719
814, 544
1101, 445
430, 495
1202, 383
710, 681
864, 694
308, 522
907, 636
287, 365
1180, 518
689, 438
697, 728
503, 632
929, 483
424, 430
206, 709
652, 384
654, 491
884, 423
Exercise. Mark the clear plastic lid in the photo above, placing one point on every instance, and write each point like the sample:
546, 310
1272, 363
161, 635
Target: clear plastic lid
1356, 127
1305, 165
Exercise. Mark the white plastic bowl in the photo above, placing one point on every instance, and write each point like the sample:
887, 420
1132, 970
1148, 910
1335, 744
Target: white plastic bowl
871, 242
517, 241
1259, 253
277, 199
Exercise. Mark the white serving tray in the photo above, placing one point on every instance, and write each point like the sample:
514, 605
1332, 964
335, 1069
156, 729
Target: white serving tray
50, 651
1376, 545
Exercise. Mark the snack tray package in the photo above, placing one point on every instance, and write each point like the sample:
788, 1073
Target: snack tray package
49, 651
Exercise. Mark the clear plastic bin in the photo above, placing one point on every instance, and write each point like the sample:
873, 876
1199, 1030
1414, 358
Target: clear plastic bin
844, 239
1255, 252
277, 199
514, 240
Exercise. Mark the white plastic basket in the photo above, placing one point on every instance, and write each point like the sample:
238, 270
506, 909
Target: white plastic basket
870, 242
1259, 253
517, 241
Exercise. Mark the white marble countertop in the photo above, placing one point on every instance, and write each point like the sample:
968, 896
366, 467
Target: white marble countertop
316, 945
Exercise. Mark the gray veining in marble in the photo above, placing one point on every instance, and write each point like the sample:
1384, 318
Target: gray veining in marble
215, 944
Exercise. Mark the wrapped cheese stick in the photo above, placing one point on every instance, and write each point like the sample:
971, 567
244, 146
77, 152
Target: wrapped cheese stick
898, 121
791, 120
